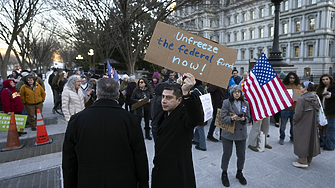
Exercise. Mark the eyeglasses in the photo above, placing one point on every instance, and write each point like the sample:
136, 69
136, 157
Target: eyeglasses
141, 82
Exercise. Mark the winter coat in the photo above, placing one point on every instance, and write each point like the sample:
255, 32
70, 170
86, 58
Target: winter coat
139, 93
173, 165
330, 103
305, 133
129, 91
32, 96
11, 102
104, 147
72, 102
218, 94
240, 132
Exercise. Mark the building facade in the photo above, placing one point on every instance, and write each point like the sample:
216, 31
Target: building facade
306, 30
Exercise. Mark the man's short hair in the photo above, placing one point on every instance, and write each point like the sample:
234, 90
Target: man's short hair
176, 88
234, 71
107, 88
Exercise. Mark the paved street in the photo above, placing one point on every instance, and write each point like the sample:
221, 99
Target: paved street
40, 166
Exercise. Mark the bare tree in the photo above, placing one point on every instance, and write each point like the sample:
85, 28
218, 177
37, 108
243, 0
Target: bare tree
14, 15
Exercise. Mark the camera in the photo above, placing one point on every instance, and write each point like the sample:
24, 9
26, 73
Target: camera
240, 115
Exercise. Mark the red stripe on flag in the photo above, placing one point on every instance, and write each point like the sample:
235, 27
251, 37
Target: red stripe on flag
268, 102
273, 96
252, 95
280, 96
259, 97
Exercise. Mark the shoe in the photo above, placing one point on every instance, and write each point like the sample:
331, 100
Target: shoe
199, 148
268, 146
195, 143
253, 148
33, 129
268, 135
53, 111
211, 138
281, 141
298, 165
328, 149
240, 177
224, 179
277, 125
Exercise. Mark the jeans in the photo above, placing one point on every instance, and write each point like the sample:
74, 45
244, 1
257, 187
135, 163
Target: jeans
330, 134
199, 136
285, 114
212, 126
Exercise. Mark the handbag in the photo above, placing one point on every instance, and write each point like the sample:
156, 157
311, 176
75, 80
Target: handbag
321, 116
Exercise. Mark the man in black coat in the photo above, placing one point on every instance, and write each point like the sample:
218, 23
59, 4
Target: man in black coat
104, 145
173, 165
51, 77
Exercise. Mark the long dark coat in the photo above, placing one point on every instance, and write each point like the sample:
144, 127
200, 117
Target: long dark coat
104, 147
305, 133
173, 165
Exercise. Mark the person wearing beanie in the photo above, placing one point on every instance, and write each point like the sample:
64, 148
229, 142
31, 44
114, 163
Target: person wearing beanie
155, 80
234, 109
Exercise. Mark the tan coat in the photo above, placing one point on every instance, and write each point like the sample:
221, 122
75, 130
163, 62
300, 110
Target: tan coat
29, 96
73, 102
305, 133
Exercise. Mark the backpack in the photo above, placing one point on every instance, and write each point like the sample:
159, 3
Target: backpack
10, 94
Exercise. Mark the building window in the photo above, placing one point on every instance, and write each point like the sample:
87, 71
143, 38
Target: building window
261, 12
252, 34
200, 24
236, 19
310, 50
260, 51
272, 10
251, 54
228, 38
284, 51
331, 22
312, 1
285, 28
261, 33
307, 71
228, 20
285, 5
297, 26
271, 31
296, 51
252, 14
298, 3
235, 37
311, 23
244, 34
243, 55
244, 17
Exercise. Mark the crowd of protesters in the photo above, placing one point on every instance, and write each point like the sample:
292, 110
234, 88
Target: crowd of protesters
24, 93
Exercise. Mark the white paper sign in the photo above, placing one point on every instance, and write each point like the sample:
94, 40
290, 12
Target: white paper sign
290, 92
207, 106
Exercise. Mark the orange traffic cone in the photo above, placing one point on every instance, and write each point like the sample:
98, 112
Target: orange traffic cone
41, 133
13, 141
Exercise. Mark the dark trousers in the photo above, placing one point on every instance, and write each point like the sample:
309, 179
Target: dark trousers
31, 111
145, 113
227, 151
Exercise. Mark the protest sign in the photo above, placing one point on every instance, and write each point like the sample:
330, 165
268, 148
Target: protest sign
296, 94
206, 102
183, 52
139, 104
225, 126
5, 120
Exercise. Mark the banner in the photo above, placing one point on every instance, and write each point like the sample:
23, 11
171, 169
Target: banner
184, 52
5, 120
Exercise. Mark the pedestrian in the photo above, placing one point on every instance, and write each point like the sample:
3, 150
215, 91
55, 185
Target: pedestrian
326, 93
291, 81
182, 111
61, 83
129, 91
256, 129
10, 98
218, 94
155, 80
104, 145
124, 83
163, 75
237, 79
73, 98
306, 139
143, 91
32, 96
240, 108
15, 76
171, 77
39, 80
51, 76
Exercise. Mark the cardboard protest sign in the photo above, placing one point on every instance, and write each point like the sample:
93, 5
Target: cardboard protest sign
5, 120
207, 106
296, 94
139, 104
183, 52
219, 123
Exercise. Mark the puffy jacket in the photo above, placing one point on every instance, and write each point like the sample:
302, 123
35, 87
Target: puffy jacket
73, 102
32, 96
10, 103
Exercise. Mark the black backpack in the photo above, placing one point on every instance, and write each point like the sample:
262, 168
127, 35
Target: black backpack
10, 94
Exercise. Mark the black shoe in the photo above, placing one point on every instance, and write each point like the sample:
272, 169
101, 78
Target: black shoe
268, 135
240, 177
224, 179
328, 149
277, 124
33, 129
211, 138
195, 143
199, 148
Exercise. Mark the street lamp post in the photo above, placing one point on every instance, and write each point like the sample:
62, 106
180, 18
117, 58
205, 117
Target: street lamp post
275, 56
91, 53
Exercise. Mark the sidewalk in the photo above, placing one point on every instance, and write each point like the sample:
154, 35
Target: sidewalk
271, 168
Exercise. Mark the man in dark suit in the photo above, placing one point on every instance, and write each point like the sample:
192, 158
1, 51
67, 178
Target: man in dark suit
173, 165
104, 145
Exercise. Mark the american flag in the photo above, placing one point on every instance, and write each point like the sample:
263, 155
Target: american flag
264, 90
